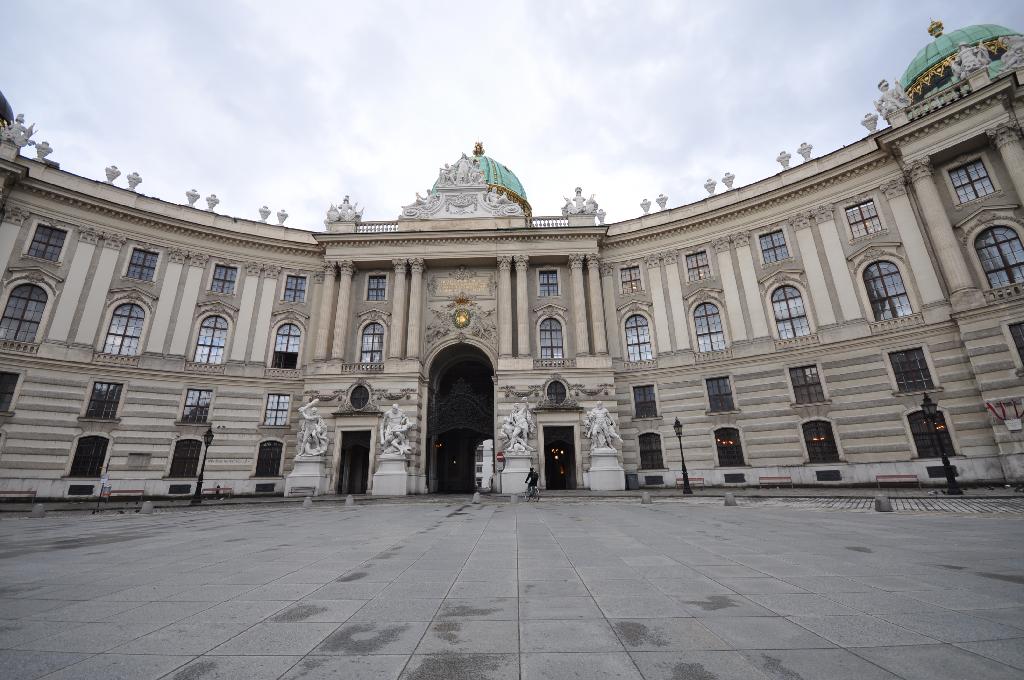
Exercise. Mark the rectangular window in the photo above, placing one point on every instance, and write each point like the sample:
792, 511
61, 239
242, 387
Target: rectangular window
548, 283
720, 394
971, 181
224, 279
104, 400
645, 402
47, 243
773, 247
142, 265
295, 288
268, 459
650, 452
697, 267
8, 381
377, 287
863, 219
911, 370
806, 385
197, 406
630, 280
277, 410
1016, 332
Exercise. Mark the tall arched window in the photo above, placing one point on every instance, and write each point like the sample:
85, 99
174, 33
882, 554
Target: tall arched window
886, 291
371, 349
638, 339
1002, 255
185, 461
650, 452
286, 346
821, 443
708, 322
268, 459
23, 313
125, 330
90, 453
730, 451
790, 315
928, 446
551, 339
213, 335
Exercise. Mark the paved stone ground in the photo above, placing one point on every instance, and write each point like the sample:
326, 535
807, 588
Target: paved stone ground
584, 590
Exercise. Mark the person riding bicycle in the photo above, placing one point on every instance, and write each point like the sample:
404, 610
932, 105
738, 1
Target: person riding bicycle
531, 482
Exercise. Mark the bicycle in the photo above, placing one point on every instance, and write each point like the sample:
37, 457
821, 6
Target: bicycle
532, 494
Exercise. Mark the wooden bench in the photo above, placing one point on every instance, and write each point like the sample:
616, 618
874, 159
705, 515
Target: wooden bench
693, 481
19, 495
217, 491
898, 479
302, 491
775, 481
118, 493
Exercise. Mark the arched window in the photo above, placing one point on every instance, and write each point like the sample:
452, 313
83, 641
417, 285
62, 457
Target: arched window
650, 452
23, 313
708, 322
556, 392
638, 339
886, 291
1002, 255
268, 459
359, 397
371, 349
926, 444
125, 330
551, 339
185, 461
821, 443
730, 451
90, 453
790, 315
286, 346
213, 335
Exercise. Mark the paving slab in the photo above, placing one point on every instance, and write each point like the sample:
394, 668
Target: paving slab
937, 661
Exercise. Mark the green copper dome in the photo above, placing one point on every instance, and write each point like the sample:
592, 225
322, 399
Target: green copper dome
930, 69
498, 176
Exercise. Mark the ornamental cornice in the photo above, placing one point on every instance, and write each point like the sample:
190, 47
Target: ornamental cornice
894, 188
89, 235
271, 271
874, 251
952, 117
16, 215
576, 261
399, 263
505, 263
1003, 135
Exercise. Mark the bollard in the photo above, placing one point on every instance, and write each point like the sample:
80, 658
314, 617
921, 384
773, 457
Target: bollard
730, 500
38, 511
349, 501
476, 498
883, 504
147, 508
645, 498
307, 502
513, 498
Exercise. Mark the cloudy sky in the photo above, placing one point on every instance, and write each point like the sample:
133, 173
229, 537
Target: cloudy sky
296, 104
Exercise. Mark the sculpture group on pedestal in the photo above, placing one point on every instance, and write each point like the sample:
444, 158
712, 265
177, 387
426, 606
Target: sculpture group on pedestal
577, 205
518, 427
18, 133
345, 212
312, 438
970, 59
606, 473
600, 428
394, 440
892, 100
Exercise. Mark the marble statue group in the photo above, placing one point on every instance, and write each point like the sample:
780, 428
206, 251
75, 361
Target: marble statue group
519, 425
312, 439
599, 428
394, 438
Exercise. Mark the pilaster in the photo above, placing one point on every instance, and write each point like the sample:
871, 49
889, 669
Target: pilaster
1006, 138
661, 325
812, 266
505, 305
522, 306
927, 279
596, 304
412, 349
323, 329
824, 215
398, 309
579, 301
342, 312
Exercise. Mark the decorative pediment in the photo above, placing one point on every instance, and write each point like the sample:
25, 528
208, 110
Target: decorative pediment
288, 314
551, 309
216, 307
872, 251
34, 275
461, 191
703, 294
132, 291
633, 306
968, 228
783, 277
378, 315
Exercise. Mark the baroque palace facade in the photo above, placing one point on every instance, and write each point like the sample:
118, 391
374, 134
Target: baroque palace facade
792, 325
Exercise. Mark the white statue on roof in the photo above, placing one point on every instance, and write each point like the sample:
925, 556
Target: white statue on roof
1013, 57
577, 205
17, 133
970, 59
893, 99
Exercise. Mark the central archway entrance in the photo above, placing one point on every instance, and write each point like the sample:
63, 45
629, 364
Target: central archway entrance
461, 417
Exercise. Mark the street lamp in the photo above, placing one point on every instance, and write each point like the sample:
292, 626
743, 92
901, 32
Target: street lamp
197, 497
930, 409
678, 427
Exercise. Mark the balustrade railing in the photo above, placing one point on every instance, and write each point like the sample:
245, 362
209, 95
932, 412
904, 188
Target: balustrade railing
547, 222
376, 227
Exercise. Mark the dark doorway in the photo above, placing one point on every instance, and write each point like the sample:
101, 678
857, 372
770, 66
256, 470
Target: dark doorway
355, 462
559, 458
461, 417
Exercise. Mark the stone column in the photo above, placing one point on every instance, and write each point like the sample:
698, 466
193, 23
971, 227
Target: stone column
913, 241
343, 310
670, 260
187, 304
505, 305
596, 304
610, 317
97, 298
160, 331
522, 306
824, 215
733, 308
755, 305
947, 248
412, 347
246, 308
1006, 138
658, 297
60, 328
323, 330
816, 285
579, 304
261, 334
398, 307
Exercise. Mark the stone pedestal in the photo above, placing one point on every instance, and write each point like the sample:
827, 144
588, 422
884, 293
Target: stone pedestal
307, 478
517, 466
606, 474
390, 479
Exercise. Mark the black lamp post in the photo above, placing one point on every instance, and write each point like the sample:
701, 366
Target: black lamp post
678, 427
197, 497
930, 409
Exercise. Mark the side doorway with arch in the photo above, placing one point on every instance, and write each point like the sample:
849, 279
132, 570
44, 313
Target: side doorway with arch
559, 462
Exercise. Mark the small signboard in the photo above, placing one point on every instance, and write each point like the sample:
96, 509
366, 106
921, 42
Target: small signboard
499, 461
